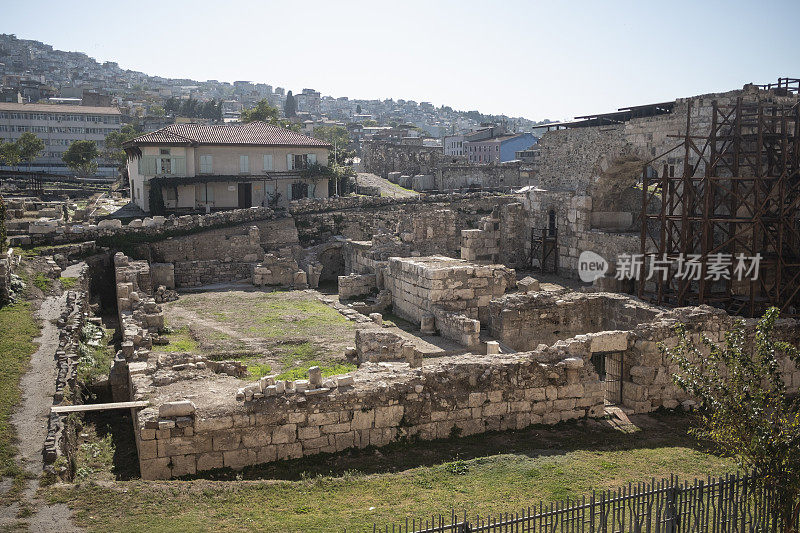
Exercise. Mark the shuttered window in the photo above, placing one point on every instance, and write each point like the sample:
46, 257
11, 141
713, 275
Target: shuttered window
244, 164
204, 192
312, 159
290, 163
147, 165
206, 164
268, 162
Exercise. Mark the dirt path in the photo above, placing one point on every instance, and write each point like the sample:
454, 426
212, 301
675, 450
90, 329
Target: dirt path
387, 187
30, 421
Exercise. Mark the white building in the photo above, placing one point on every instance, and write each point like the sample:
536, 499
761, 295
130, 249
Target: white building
453, 145
59, 126
228, 166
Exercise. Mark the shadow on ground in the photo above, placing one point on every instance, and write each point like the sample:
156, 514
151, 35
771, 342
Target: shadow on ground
657, 430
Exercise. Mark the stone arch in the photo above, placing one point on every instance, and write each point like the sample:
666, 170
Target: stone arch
332, 261
617, 194
618, 176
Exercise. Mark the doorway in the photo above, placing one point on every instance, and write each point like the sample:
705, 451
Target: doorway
245, 195
609, 367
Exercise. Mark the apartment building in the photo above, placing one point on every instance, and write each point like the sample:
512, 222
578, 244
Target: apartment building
59, 126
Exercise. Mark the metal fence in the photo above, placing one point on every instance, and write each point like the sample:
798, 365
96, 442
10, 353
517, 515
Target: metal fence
734, 503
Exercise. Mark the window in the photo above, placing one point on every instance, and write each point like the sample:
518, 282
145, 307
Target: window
206, 164
204, 193
298, 190
244, 164
164, 151
268, 162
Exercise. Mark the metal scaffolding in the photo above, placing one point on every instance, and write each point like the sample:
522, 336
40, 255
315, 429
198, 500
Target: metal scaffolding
737, 196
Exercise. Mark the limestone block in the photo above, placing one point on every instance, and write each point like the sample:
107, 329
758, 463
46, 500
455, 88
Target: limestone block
315, 377
609, 341
492, 347
528, 284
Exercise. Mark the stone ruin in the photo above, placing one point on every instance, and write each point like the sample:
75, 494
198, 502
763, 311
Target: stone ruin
533, 361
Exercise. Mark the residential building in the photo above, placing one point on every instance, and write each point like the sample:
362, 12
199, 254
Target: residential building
453, 145
497, 149
308, 101
227, 166
59, 126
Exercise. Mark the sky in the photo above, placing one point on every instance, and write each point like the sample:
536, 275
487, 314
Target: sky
554, 59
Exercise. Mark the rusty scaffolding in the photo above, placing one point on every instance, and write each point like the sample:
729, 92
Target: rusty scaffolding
738, 193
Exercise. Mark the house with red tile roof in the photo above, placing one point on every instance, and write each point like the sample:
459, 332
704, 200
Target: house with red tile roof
199, 167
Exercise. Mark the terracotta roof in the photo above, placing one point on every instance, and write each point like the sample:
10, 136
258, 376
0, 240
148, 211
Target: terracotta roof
255, 133
57, 108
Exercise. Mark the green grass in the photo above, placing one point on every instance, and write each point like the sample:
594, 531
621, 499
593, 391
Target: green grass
298, 358
256, 370
180, 340
67, 283
42, 282
17, 331
301, 372
280, 318
95, 361
490, 473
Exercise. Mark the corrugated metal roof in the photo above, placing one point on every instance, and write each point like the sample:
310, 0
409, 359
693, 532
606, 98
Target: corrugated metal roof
255, 133
58, 108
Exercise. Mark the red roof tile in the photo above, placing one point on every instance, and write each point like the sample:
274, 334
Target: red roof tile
255, 133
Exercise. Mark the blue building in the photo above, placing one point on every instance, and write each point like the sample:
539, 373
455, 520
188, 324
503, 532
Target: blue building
498, 149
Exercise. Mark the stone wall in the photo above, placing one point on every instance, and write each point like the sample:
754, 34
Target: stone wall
150, 228
197, 273
450, 177
432, 223
70, 323
386, 402
140, 319
382, 157
524, 321
6, 262
647, 379
418, 285
354, 285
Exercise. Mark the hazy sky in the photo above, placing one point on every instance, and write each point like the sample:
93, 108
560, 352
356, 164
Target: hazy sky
554, 59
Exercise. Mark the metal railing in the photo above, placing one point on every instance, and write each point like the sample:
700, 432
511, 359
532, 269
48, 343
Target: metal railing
733, 503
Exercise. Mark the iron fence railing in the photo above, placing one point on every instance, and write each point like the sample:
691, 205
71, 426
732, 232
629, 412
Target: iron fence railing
733, 503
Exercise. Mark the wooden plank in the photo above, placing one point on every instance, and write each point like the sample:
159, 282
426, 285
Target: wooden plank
97, 407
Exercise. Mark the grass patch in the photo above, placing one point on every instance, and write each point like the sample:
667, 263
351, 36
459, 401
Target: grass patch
17, 331
180, 340
42, 282
296, 359
483, 474
301, 372
257, 370
95, 361
68, 283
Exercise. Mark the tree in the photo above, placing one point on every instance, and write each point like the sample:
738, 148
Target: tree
339, 139
29, 147
81, 157
358, 109
157, 111
290, 105
265, 112
113, 150
9, 154
172, 105
746, 408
